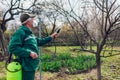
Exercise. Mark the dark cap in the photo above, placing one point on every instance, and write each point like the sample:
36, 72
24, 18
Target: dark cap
24, 17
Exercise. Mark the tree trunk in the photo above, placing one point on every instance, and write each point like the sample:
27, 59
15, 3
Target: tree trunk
3, 42
98, 66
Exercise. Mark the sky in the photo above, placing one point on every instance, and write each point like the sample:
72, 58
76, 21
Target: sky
76, 4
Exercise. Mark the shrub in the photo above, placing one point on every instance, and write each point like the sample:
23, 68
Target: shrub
51, 66
72, 64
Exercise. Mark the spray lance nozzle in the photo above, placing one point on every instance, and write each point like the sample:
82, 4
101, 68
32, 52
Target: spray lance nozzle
58, 30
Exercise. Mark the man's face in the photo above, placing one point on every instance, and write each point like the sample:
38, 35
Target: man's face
33, 22
30, 22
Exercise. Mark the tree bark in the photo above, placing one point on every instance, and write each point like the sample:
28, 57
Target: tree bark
3, 42
98, 61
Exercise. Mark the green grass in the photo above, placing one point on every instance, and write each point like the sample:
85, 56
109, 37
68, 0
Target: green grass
64, 49
59, 49
111, 67
70, 49
108, 70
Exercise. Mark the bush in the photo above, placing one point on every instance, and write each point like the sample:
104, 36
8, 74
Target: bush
46, 58
72, 64
64, 56
51, 66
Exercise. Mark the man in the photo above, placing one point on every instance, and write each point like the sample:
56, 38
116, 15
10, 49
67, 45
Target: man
25, 45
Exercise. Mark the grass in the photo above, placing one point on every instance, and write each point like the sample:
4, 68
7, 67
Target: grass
111, 67
2, 71
64, 49
59, 49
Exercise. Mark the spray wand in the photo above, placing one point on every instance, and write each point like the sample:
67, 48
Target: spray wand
57, 31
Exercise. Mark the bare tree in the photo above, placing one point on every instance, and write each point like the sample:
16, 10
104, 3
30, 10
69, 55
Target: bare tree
14, 7
106, 17
110, 20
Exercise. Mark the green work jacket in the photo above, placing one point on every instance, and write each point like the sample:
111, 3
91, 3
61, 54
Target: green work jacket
22, 43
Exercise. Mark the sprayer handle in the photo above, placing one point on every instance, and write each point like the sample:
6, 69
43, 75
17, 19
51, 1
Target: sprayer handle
58, 30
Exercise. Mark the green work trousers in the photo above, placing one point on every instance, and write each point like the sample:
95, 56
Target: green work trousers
28, 75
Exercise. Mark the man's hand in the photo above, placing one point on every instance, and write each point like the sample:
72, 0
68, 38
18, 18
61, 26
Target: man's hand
54, 35
33, 55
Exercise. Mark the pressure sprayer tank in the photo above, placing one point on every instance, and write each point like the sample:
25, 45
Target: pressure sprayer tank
14, 71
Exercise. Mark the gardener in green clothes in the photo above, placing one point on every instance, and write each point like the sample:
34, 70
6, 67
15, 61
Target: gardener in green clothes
25, 45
